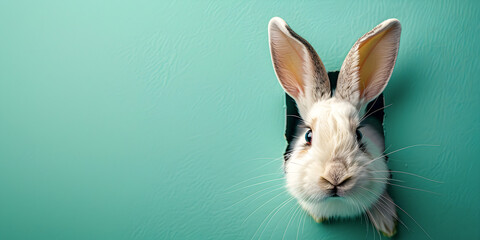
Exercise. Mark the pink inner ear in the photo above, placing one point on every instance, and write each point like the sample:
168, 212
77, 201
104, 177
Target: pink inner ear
288, 58
377, 59
288, 74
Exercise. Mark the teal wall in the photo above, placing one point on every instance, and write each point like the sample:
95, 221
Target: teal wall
143, 119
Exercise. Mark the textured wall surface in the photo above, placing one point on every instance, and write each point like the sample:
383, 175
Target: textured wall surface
164, 119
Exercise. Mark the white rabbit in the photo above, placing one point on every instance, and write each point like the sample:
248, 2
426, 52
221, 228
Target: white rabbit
332, 171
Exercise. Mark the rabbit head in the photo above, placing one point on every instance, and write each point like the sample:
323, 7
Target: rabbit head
331, 169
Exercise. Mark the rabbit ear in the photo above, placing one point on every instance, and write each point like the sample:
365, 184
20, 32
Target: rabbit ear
298, 67
369, 64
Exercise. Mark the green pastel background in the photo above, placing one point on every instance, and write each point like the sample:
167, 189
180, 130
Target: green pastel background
157, 119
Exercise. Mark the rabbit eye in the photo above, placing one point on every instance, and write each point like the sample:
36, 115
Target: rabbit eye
308, 136
359, 135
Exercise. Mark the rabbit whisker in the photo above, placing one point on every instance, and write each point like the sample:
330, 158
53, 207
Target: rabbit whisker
271, 218
364, 117
291, 218
269, 162
295, 116
417, 189
265, 203
271, 180
411, 174
401, 149
269, 174
280, 206
388, 179
374, 222
371, 107
278, 187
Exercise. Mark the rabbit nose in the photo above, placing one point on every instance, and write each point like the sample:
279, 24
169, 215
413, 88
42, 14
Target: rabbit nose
330, 186
328, 181
334, 182
335, 174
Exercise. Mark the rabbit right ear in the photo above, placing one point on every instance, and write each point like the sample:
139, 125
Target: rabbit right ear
369, 64
297, 66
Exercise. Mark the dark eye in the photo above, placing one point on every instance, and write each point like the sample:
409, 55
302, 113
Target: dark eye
359, 135
308, 136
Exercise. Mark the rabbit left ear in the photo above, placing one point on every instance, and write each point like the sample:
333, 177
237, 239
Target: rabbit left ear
369, 64
298, 67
